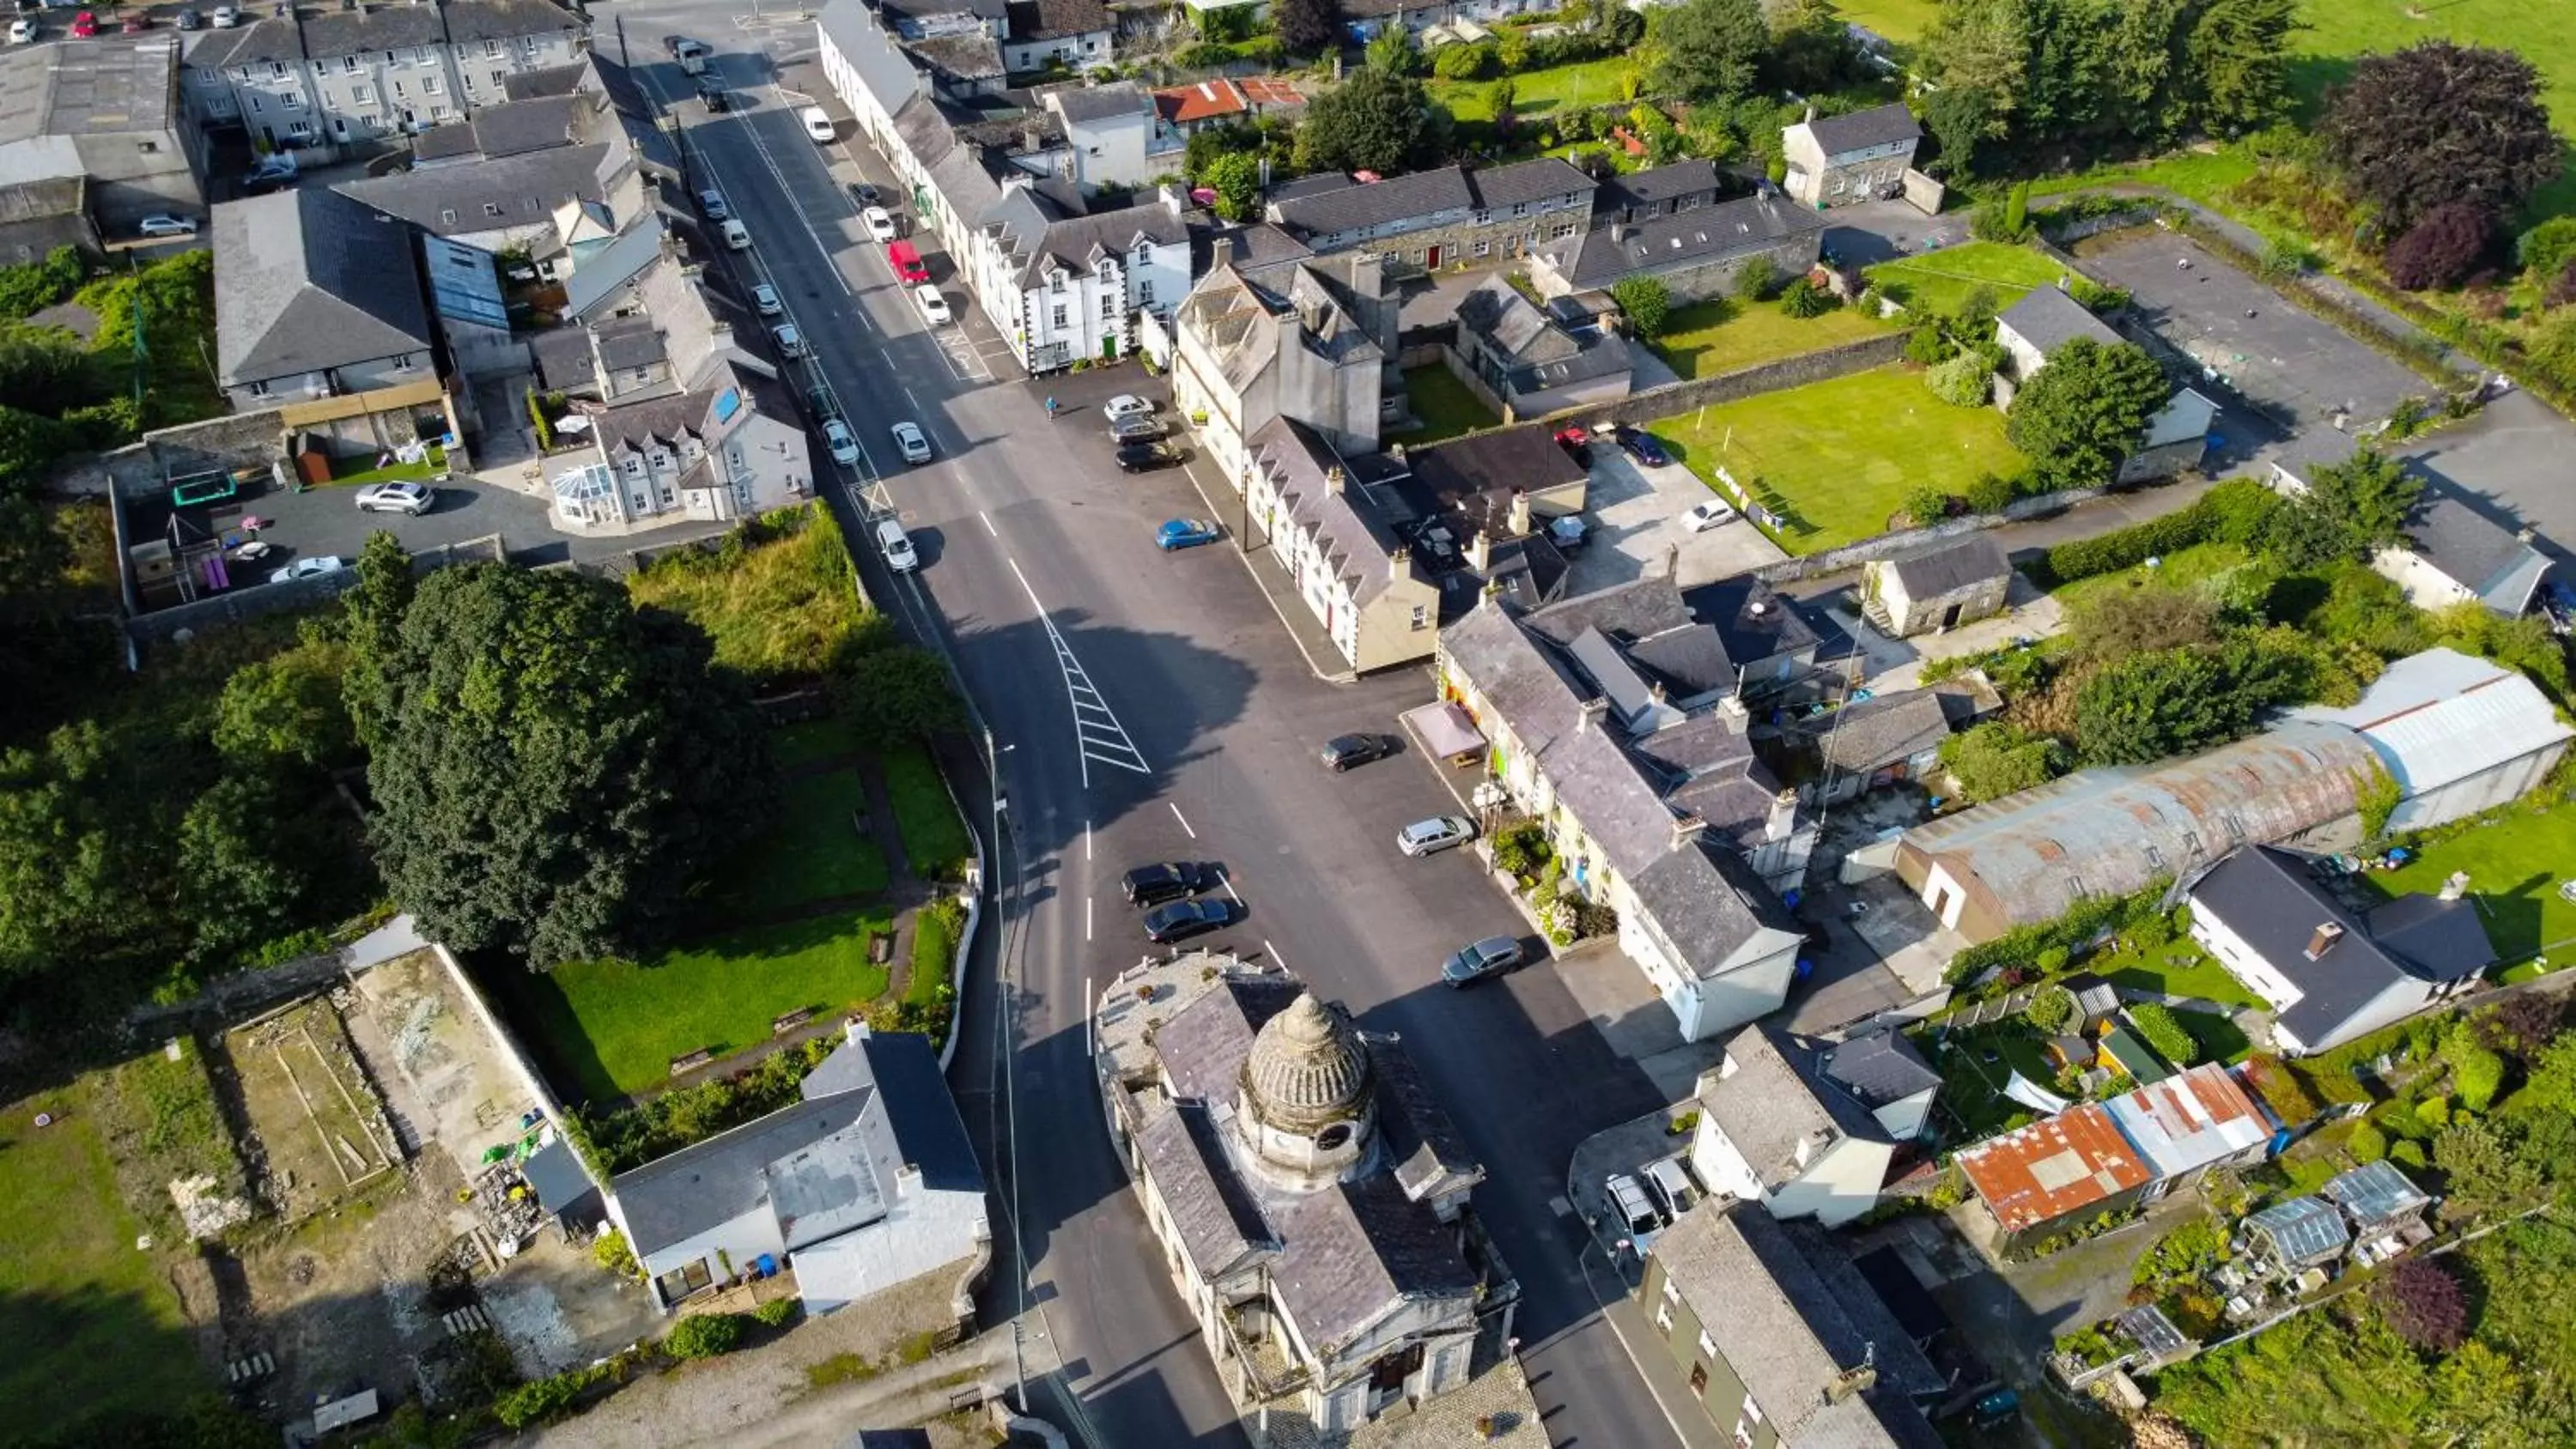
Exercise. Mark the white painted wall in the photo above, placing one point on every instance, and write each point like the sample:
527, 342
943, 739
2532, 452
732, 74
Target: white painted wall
2240, 958
1839, 1184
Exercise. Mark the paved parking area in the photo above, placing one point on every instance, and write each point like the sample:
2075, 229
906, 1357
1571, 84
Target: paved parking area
1871, 232
2299, 368
1636, 524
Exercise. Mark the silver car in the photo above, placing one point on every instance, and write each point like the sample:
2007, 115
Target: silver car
412, 498
1491, 956
1634, 1213
1427, 837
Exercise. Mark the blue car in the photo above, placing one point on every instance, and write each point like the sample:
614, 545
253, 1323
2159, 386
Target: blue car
1641, 445
1184, 533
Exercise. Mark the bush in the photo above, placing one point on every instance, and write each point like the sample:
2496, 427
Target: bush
2094, 297
1965, 381
2409, 1154
2547, 249
2126, 548
1645, 301
1992, 492
1753, 280
31, 288
2423, 1304
1927, 505
1522, 850
1803, 298
776, 1313
2051, 1009
1464, 62
1929, 343
2476, 1072
2442, 250
2367, 1143
704, 1335
610, 1251
2163, 1033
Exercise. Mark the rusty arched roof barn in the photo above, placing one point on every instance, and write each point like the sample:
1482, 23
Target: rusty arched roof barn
2108, 832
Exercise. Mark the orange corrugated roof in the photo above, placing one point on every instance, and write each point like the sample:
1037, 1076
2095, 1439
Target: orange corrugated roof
1262, 90
2053, 1167
1201, 102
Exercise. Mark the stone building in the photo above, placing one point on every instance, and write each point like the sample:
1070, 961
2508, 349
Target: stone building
1449, 216
1696, 253
1958, 581
1309, 1195
1837, 160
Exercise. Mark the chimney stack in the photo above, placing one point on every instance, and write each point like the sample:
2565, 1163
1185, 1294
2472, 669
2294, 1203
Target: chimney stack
1480, 551
1221, 252
1399, 562
2456, 886
1336, 479
2323, 938
1783, 822
1519, 523
1687, 828
1593, 709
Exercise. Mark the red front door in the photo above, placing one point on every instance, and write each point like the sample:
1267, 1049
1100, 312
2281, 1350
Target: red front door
1432, 259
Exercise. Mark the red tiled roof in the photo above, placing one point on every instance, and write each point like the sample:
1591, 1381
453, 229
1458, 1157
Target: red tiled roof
2053, 1167
1204, 101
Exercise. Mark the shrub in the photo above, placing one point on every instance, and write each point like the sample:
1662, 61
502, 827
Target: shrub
776, 1313
1646, 302
1463, 62
1754, 279
704, 1335
2094, 297
2051, 1009
1965, 381
1927, 505
1929, 343
2367, 1143
610, 1251
2126, 548
2408, 1154
2282, 259
2423, 1304
2163, 1032
1991, 493
2476, 1071
2546, 249
2444, 248
1803, 298
1522, 849
2186, 1253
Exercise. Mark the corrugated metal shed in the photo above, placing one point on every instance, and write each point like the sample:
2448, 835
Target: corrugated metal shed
2189, 1121
2441, 716
2060, 1165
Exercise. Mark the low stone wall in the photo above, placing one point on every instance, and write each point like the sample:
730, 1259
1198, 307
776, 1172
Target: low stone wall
162, 625
1853, 555
1787, 372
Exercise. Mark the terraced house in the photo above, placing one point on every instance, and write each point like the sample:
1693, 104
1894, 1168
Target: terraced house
1449, 216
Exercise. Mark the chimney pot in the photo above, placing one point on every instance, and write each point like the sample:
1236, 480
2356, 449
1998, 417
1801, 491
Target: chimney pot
1480, 551
2323, 938
1336, 479
1399, 561
1520, 513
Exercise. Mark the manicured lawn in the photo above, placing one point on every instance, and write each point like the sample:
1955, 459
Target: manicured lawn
91, 1323
610, 1028
1445, 406
813, 850
2514, 866
353, 475
2203, 176
1940, 281
934, 839
1537, 93
1835, 459
1904, 21
2216, 1035
2197, 976
2180, 569
1707, 338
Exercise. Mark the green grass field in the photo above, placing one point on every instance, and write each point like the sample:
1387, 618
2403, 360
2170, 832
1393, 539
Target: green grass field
2180, 569
1707, 338
1835, 459
2200, 977
1537, 93
812, 851
610, 1028
1939, 281
934, 839
1903, 21
2514, 866
91, 1323
811, 742
1445, 406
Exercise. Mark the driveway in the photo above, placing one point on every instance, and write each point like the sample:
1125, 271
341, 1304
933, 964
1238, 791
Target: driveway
1636, 516
1870, 232
1896, 664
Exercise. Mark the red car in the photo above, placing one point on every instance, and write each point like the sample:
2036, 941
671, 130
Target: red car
84, 25
1577, 443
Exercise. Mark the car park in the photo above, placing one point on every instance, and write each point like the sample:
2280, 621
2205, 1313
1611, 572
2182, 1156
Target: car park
310, 568
880, 223
1439, 833
165, 225
896, 547
412, 498
1152, 885
1146, 457
1181, 920
1633, 1212
737, 237
765, 301
1641, 445
840, 444
791, 343
912, 442
1127, 405
1668, 1182
1491, 956
1343, 752
1180, 533
712, 202
1704, 516
934, 306
817, 123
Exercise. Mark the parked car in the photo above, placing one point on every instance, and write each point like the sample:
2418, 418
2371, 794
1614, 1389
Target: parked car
912, 442
817, 123
737, 237
791, 343
225, 17
1430, 837
1146, 457
712, 202
1152, 885
166, 225
1182, 533
1343, 752
412, 498
310, 568
134, 25
896, 546
190, 20
934, 306
1576, 443
1183, 919
84, 25
1705, 516
765, 301
21, 30
1639, 444
1136, 428
879, 222
1491, 956
1127, 405
863, 193
1668, 1182
838, 442
1634, 1212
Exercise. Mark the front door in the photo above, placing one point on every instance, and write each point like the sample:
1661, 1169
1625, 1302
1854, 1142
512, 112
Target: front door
1431, 259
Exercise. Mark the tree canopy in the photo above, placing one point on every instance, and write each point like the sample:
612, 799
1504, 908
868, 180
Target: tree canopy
2436, 123
1375, 121
2349, 511
2083, 413
552, 769
1710, 49
1305, 26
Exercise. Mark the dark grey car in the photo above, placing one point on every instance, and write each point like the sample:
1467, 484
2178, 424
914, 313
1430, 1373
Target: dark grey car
1491, 956
1183, 919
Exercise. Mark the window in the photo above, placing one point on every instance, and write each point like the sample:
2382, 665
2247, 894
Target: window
1109, 305
1421, 616
1561, 230
1484, 247
363, 95
492, 48
147, 147
528, 45
431, 85
498, 79
1707, 1345
1699, 1378
1055, 282
1520, 208
1144, 254
1483, 216
491, 208
254, 104
438, 113
292, 100
1752, 1410
400, 89
1061, 321
1145, 293
276, 71
634, 467
1664, 1317
669, 498
1671, 1293
341, 129
1108, 269
300, 130
391, 59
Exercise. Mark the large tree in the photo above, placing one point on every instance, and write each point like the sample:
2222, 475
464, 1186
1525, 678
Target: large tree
2236, 60
553, 769
1306, 26
1711, 49
1811, 47
2349, 511
2438, 122
2082, 414
1374, 121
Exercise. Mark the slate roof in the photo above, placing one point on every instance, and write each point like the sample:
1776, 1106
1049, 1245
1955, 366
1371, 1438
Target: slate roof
1204, 1044
1882, 730
1056, 19
1101, 102
1353, 1250
1497, 187
629, 343
563, 360
272, 38
604, 271
1218, 1221
474, 21
1421, 1141
961, 56
918, 1106
1970, 559
556, 1174
1658, 184
1535, 354
884, 71
2048, 319
1354, 205
307, 280
1755, 621
1770, 1095
1361, 544
1879, 1068
1691, 660
452, 200
715, 1181
1477, 473
533, 125
1077, 243
2485, 557
332, 33
1694, 238
1861, 130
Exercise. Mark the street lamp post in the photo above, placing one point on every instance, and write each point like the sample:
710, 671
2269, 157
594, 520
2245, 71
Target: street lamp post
1002, 1029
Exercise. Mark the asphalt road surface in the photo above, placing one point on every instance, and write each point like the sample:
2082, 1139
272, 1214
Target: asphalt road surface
1147, 706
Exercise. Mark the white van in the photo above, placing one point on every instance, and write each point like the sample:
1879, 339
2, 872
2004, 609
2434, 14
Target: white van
736, 235
896, 547
817, 124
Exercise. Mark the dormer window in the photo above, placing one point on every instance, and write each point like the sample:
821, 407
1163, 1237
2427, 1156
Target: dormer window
1144, 254
1055, 281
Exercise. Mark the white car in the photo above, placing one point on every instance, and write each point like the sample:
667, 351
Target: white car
737, 237
934, 306
1127, 405
764, 300
1705, 516
817, 124
843, 447
912, 442
224, 17
167, 225
21, 30
412, 498
880, 223
897, 549
310, 568
791, 343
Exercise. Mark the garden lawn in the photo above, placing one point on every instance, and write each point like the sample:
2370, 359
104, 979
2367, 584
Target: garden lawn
2199, 977
2182, 569
2202, 176
814, 850
1940, 281
2515, 864
1835, 459
1707, 338
1903, 21
1445, 406
1538, 94
934, 839
610, 1028
1972, 1090
427, 468
91, 1323
811, 742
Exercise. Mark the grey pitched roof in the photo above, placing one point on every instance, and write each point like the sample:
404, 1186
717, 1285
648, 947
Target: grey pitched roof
1638, 609
1203, 1046
1217, 1218
1355, 1250
474, 21
1691, 660
888, 75
1878, 1068
2048, 319
308, 280
628, 343
960, 55
1604, 254
1535, 353
1055, 19
562, 356
1754, 619
726, 1176
2440, 940
557, 1175
600, 274
927, 1129
1079, 102
1936, 569
1883, 730
1527, 181
274, 38
1422, 1143
446, 140
459, 200
1349, 207
1360, 542
1478, 472
956, 169
1077, 243
558, 80
2272, 901
516, 126
1860, 130
1769, 1095
332, 33
1657, 184
2485, 557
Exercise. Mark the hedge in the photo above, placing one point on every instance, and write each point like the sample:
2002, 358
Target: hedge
2164, 1034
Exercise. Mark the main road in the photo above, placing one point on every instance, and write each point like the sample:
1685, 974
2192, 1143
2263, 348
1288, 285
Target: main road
1147, 706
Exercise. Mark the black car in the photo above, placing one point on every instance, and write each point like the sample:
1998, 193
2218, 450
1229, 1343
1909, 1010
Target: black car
862, 193
1145, 457
1341, 752
1639, 444
1183, 919
1151, 885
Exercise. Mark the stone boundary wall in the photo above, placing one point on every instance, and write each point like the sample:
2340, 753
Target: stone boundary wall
1638, 409
1852, 555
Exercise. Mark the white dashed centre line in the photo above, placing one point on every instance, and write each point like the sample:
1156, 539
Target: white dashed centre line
1185, 820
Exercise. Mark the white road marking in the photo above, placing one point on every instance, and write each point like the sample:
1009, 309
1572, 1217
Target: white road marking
1185, 823
1086, 918
1098, 736
1226, 879
1086, 840
1275, 958
988, 523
